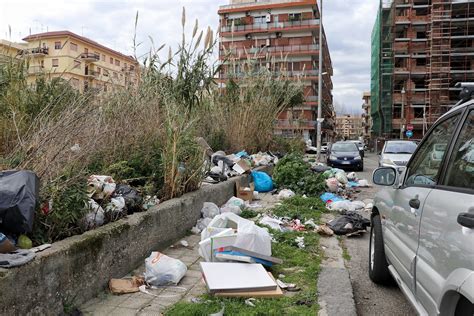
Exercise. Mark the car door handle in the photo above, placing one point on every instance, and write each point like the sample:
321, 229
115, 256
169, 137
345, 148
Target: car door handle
415, 203
466, 220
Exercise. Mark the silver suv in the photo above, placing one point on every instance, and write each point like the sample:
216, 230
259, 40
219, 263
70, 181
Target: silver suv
422, 232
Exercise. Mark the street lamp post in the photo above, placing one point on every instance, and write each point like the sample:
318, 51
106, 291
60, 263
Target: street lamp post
320, 81
402, 118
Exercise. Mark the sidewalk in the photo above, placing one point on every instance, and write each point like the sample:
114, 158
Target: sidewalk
191, 285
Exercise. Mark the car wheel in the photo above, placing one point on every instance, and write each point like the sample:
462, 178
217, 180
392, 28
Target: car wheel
378, 266
464, 307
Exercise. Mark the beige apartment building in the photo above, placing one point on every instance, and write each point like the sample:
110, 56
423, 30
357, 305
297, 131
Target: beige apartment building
349, 127
366, 116
86, 64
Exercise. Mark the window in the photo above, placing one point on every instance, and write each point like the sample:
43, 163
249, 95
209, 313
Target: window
99, 70
117, 62
460, 172
424, 169
86, 50
111, 60
57, 45
55, 62
115, 75
106, 73
103, 57
77, 65
259, 19
132, 68
74, 47
294, 17
421, 61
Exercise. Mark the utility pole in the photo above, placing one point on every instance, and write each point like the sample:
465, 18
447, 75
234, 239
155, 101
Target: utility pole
402, 118
320, 81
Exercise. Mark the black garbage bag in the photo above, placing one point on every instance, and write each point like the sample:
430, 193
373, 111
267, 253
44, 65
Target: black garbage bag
19, 196
349, 223
216, 158
133, 199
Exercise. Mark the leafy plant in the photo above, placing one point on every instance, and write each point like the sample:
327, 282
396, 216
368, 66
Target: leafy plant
293, 173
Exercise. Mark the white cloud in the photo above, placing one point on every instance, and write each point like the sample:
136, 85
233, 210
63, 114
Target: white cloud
348, 25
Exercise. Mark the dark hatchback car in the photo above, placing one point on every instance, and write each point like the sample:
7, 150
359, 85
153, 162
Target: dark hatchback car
345, 155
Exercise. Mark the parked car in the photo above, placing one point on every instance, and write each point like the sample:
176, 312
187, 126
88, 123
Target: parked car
422, 222
324, 148
345, 155
359, 145
314, 150
396, 153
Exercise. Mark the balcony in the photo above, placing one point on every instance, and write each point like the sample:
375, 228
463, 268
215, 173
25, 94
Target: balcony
270, 27
36, 51
33, 70
262, 52
292, 74
92, 74
295, 124
90, 57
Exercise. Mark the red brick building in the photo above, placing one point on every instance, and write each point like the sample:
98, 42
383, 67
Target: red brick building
287, 32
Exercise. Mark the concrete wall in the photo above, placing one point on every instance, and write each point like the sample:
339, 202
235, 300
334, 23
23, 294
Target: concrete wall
76, 269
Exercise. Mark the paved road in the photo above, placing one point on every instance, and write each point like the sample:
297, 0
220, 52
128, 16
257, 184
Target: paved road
371, 299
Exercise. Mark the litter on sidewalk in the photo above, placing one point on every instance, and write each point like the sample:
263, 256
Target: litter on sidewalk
236, 277
349, 223
163, 270
124, 286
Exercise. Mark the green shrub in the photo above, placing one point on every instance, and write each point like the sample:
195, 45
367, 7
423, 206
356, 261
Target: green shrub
293, 173
68, 199
288, 145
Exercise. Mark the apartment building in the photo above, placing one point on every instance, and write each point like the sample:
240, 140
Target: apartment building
366, 117
283, 37
86, 64
420, 50
349, 127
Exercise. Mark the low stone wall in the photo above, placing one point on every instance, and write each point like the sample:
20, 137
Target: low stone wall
76, 269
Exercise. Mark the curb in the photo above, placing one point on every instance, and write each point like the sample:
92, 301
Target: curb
335, 294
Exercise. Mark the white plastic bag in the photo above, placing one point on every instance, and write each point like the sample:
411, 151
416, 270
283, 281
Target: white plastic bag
95, 216
285, 194
332, 185
341, 206
115, 205
341, 177
271, 222
351, 176
100, 187
209, 210
163, 270
235, 201
232, 209
363, 183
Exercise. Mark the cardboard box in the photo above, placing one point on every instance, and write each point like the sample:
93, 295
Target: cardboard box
241, 167
244, 192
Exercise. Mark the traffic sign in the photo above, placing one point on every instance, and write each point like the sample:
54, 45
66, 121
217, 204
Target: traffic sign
409, 127
409, 134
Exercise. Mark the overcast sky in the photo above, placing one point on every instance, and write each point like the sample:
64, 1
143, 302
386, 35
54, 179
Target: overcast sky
348, 25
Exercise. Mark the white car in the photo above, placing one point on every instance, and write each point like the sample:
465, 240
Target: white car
422, 222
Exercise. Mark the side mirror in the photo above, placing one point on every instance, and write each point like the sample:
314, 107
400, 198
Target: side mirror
386, 176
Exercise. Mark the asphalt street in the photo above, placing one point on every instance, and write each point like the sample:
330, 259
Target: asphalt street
370, 298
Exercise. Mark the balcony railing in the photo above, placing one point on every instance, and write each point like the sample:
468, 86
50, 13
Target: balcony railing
274, 49
296, 124
270, 26
35, 69
305, 73
90, 57
36, 51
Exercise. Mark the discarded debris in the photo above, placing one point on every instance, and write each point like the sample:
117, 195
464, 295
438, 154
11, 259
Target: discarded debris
163, 270
349, 223
285, 194
300, 242
123, 286
250, 301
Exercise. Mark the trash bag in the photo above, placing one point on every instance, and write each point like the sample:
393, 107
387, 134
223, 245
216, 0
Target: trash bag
133, 199
96, 215
285, 194
100, 187
209, 210
330, 197
341, 177
363, 183
263, 182
351, 176
328, 174
163, 270
319, 168
232, 209
332, 184
349, 223
235, 201
271, 222
19, 194
342, 206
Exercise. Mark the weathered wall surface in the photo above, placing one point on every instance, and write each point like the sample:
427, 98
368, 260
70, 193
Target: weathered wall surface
76, 269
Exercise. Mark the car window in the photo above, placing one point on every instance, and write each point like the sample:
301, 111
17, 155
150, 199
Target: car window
400, 148
344, 147
425, 165
460, 172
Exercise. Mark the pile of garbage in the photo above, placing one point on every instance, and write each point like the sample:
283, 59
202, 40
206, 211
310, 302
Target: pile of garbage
109, 201
221, 166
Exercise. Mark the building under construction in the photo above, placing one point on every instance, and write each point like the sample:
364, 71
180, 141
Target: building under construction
420, 50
